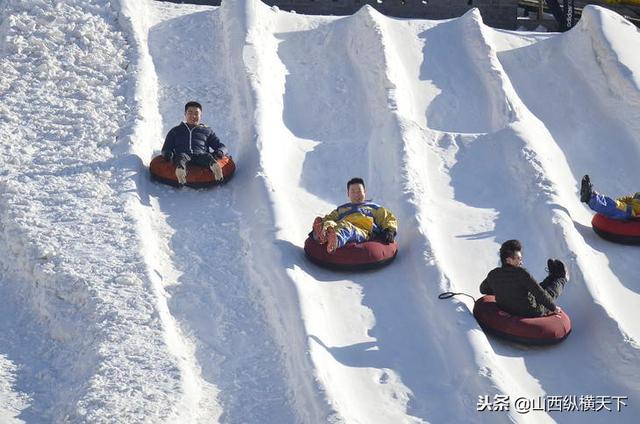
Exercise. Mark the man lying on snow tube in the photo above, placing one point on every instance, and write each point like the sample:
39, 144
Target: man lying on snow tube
617, 220
516, 307
192, 154
357, 235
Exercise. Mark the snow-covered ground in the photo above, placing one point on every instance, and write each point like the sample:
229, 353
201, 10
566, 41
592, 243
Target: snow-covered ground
126, 301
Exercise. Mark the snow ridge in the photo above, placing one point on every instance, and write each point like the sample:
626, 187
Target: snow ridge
216, 297
197, 398
81, 282
613, 51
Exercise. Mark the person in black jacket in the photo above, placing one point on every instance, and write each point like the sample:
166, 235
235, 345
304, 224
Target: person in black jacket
516, 291
193, 142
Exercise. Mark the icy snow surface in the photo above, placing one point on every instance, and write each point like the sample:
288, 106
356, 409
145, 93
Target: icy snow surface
126, 301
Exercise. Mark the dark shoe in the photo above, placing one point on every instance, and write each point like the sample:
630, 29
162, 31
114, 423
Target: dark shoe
586, 189
549, 265
557, 269
553, 286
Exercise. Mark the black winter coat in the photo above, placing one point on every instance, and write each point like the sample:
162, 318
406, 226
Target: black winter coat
517, 292
198, 140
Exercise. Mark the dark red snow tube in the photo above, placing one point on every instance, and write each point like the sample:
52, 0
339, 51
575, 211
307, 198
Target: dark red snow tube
615, 230
164, 171
352, 257
548, 329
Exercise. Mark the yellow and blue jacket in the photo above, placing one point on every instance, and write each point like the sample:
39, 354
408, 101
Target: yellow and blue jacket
629, 204
367, 216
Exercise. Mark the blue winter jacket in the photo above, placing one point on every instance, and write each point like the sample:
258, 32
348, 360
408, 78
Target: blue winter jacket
192, 141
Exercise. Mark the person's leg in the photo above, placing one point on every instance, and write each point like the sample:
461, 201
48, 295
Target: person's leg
209, 161
609, 207
180, 161
346, 233
554, 286
202, 160
555, 282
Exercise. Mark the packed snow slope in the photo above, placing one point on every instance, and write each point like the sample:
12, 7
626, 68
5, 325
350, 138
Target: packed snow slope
126, 301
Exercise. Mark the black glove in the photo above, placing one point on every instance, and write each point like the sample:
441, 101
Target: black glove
388, 235
219, 154
167, 156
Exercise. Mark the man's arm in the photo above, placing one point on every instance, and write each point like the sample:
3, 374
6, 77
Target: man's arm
485, 287
214, 143
331, 216
169, 144
624, 199
385, 220
386, 223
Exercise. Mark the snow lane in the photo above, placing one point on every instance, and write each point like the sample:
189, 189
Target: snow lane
196, 400
212, 294
357, 390
279, 296
450, 227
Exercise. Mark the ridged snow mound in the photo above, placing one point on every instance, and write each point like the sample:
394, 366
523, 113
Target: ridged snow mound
126, 301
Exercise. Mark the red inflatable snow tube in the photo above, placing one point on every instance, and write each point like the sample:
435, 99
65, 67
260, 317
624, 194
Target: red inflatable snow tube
616, 230
164, 171
547, 329
352, 257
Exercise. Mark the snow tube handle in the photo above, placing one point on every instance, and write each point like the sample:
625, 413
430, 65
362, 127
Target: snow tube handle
449, 295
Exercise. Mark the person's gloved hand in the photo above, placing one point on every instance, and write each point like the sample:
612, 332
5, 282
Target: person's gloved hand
388, 235
218, 154
167, 156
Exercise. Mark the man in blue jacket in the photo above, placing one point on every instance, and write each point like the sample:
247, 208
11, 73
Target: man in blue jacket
195, 143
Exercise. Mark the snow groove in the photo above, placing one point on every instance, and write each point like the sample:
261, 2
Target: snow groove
214, 295
422, 166
246, 21
196, 401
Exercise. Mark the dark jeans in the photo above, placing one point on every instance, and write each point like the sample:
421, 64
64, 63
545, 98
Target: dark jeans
553, 286
181, 160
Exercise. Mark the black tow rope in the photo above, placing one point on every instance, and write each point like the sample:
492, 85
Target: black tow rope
449, 295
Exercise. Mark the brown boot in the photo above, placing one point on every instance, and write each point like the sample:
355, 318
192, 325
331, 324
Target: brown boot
318, 233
